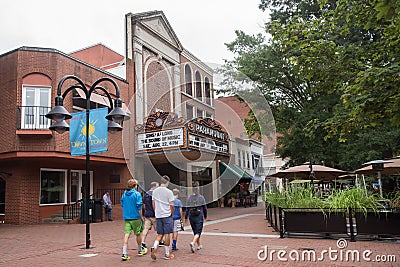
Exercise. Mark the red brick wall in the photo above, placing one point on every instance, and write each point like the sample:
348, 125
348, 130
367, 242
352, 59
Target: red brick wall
22, 63
22, 194
8, 100
192, 101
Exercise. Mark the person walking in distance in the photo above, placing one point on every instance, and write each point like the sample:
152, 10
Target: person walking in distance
163, 204
196, 211
107, 205
131, 202
149, 215
177, 218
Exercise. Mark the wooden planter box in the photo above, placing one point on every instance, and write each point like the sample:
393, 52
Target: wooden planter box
381, 223
314, 221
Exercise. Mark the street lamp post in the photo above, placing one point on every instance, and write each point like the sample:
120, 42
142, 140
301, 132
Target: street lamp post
59, 114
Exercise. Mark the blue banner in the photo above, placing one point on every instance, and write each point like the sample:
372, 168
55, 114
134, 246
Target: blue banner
98, 136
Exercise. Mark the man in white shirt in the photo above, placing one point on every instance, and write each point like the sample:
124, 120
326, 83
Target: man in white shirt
107, 205
163, 204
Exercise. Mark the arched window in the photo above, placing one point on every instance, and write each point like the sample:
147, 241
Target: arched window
188, 79
207, 90
199, 94
36, 101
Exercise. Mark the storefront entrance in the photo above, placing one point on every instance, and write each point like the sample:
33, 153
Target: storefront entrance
2, 196
77, 184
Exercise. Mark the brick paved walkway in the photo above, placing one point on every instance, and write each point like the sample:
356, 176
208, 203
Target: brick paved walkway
232, 237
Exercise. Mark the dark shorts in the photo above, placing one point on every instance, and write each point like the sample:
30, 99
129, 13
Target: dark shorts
196, 222
165, 225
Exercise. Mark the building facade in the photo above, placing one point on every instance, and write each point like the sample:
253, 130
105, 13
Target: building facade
172, 130
37, 173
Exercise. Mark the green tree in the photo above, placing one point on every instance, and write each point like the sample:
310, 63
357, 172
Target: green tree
329, 70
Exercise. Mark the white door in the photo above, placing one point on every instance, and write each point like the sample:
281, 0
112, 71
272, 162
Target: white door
78, 181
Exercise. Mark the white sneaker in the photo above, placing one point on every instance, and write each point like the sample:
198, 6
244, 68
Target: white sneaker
199, 247
192, 247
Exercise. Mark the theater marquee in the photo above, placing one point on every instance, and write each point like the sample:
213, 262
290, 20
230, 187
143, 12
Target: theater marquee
165, 131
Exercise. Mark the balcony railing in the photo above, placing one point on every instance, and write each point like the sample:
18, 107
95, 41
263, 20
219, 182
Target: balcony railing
32, 117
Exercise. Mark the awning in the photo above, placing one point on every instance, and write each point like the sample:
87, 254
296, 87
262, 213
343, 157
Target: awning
231, 171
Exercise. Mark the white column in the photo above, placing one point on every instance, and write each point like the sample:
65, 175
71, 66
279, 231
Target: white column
177, 90
139, 94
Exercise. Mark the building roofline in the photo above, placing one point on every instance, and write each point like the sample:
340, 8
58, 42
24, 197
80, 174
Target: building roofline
90, 46
52, 50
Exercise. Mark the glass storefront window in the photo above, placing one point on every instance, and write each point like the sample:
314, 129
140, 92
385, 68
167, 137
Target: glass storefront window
53, 186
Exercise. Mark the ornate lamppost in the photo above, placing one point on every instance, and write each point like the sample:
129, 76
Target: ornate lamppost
59, 114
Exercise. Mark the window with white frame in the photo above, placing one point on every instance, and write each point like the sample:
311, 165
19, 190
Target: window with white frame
188, 80
36, 103
207, 90
199, 94
189, 111
199, 113
53, 186
239, 159
244, 159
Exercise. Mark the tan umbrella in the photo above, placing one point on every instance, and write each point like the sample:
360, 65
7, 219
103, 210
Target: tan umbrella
303, 172
392, 167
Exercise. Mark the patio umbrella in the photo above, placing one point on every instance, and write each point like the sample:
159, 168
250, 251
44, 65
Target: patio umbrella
392, 167
303, 172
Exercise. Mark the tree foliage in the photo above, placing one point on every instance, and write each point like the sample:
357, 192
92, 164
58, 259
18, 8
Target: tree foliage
330, 71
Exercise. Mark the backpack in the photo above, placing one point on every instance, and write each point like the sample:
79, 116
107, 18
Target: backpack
194, 211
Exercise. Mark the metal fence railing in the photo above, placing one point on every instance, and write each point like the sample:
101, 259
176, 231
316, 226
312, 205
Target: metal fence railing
32, 117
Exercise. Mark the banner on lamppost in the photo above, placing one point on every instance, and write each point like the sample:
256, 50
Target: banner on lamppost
98, 136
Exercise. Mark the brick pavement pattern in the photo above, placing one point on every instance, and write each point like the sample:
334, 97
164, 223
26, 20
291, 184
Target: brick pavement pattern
232, 237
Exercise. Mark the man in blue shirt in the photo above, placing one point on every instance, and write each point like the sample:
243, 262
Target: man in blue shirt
131, 203
177, 218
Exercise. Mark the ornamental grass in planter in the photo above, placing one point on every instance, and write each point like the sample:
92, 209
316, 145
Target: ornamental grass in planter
354, 198
305, 198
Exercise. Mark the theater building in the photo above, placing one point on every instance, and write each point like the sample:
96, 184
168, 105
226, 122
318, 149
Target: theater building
176, 134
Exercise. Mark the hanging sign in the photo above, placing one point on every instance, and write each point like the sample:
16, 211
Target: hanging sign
98, 136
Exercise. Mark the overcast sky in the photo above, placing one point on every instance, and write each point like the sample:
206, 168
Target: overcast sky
202, 26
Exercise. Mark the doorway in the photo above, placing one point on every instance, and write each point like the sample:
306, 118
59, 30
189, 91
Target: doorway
2, 196
77, 185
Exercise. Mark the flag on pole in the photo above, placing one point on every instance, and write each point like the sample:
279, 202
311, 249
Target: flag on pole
98, 136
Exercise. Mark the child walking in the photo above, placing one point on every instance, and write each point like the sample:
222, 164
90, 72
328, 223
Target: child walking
177, 218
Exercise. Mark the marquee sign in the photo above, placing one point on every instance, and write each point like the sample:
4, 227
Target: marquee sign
166, 131
207, 134
160, 139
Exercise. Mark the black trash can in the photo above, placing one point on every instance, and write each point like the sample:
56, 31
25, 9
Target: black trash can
97, 210
83, 211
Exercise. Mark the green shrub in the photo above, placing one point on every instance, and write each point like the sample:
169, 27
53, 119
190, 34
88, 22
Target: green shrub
354, 198
339, 199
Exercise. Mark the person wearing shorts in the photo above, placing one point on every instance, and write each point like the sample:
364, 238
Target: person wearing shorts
177, 218
131, 202
163, 204
149, 215
196, 211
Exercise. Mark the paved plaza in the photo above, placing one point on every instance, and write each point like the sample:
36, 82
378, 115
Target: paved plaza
232, 237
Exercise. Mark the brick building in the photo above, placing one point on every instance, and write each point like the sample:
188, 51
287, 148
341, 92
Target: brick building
166, 89
37, 173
